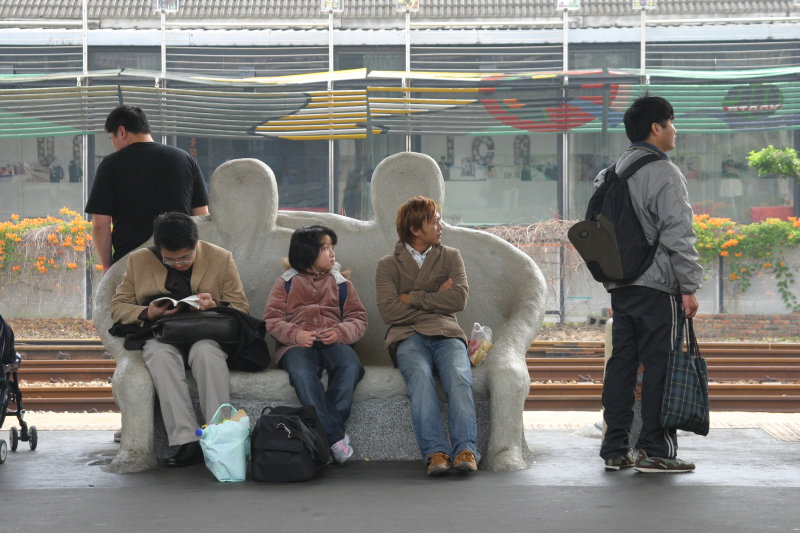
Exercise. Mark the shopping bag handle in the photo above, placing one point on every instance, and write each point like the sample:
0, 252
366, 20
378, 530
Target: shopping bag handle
691, 339
215, 419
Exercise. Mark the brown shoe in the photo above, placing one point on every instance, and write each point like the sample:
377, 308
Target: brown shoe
438, 464
465, 461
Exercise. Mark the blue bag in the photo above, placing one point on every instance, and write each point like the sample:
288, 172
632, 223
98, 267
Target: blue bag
226, 445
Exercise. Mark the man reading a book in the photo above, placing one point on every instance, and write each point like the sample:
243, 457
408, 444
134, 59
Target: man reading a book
177, 266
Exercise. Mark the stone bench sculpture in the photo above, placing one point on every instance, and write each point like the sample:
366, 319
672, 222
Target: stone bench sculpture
507, 293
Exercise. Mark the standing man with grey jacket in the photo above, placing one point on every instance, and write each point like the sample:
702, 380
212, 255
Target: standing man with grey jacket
649, 311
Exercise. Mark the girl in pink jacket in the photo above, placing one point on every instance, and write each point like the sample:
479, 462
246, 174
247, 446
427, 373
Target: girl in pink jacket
314, 313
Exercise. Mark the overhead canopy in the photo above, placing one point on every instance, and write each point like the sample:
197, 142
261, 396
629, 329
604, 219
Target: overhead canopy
374, 102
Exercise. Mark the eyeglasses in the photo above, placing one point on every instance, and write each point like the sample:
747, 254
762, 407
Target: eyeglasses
178, 262
181, 262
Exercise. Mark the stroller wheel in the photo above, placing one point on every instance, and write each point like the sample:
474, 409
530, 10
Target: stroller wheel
14, 434
3, 451
33, 437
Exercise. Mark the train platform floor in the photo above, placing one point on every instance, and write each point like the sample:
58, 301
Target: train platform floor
747, 479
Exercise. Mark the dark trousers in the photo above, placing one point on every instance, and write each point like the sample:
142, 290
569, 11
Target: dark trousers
340, 361
645, 325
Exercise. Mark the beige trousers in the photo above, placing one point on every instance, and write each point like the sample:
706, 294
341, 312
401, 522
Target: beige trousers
166, 364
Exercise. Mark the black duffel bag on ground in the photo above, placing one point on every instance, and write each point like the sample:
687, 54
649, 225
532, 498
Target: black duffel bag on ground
288, 444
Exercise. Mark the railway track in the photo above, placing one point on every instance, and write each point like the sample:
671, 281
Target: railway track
74, 376
769, 397
764, 369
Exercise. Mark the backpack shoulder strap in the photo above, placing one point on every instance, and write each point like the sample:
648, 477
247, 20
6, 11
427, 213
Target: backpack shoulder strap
342, 296
634, 167
342, 292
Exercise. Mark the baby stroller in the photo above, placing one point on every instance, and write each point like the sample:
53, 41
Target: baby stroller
10, 393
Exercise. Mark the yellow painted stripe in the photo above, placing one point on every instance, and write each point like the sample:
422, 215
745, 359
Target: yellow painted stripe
326, 137
312, 77
445, 101
334, 104
424, 89
354, 98
326, 126
315, 116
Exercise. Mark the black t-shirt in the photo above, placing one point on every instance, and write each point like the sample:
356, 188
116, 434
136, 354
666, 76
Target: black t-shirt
139, 182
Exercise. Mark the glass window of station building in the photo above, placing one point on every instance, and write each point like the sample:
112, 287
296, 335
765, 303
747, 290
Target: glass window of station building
494, 174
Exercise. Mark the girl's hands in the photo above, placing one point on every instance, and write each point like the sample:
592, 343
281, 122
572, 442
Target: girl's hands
306, 338
329, 336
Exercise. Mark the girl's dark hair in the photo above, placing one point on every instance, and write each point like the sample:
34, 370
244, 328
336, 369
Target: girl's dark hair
643, 113
174, 231
305, 245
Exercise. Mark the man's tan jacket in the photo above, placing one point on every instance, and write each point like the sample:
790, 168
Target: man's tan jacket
430, 311
213, 271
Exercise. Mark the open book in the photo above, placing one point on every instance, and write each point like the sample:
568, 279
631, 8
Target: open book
191, 300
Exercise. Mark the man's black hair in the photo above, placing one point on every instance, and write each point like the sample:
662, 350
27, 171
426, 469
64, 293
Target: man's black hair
130, 116
305, 245
174, 231
643, 113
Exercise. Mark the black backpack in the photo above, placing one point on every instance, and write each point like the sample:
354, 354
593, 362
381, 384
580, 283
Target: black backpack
7, 353
288, 444
611, 239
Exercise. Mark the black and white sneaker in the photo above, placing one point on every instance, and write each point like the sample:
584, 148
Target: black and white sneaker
661, 465
623, 461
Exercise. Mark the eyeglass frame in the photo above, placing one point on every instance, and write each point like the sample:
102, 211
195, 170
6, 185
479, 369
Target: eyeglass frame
178, 262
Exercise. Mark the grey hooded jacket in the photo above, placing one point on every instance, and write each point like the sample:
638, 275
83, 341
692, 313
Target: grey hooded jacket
659, 196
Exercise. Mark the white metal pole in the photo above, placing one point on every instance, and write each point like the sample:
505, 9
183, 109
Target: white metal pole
565, 47
642, 44
331, 159
85, 146
84, 81
565, 134
406, 94
163, 80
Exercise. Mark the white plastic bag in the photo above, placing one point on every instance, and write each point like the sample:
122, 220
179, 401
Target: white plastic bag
480, 342
226, 444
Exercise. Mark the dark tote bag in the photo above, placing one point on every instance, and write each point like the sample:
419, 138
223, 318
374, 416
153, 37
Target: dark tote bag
189, 327
685, 403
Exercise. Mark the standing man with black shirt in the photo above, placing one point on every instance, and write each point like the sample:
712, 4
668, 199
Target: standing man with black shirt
137, 182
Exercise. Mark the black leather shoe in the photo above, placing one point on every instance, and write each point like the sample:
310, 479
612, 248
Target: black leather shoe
188, 454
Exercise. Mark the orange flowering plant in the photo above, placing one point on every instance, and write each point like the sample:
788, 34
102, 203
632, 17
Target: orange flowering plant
45, 244
750, 250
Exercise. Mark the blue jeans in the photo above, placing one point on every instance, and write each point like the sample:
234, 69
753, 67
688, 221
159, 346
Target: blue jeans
305, 366
417, 358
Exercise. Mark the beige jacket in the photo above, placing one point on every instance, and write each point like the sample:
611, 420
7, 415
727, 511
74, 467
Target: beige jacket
430, 311
213, 272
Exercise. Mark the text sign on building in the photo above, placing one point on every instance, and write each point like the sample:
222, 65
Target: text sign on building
332, 6
408, 5
571, 5
644, 4
167, 6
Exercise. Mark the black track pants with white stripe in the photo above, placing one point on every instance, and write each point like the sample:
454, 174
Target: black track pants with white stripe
643, 331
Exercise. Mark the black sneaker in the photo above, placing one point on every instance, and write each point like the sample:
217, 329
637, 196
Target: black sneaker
661, 465
188, 454
623, 461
